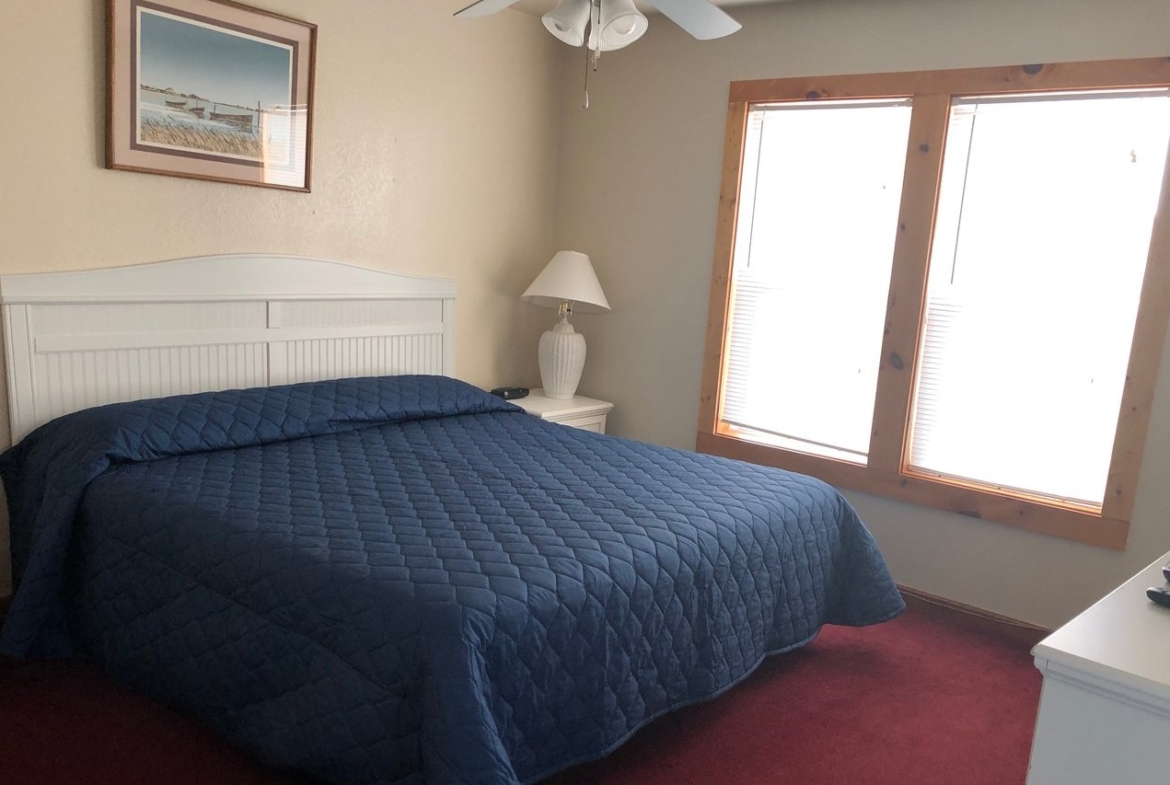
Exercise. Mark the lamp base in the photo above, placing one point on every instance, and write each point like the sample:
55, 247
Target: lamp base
562, 358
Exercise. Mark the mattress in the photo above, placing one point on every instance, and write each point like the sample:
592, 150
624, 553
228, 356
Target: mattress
406, 580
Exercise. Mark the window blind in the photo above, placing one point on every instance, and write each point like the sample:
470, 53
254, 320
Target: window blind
819, 200
1043, 227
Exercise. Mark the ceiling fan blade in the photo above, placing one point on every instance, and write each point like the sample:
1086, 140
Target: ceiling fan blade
698, 17
484, 8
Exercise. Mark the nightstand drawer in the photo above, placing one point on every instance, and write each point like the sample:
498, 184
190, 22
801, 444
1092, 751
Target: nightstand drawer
595, 423
588, 414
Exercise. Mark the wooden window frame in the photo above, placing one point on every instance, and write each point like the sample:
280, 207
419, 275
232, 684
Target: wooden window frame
887, 472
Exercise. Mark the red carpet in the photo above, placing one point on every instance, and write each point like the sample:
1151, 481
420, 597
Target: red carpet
935, 697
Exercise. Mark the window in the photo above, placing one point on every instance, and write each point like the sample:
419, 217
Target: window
1041, 238
810, 299
947, 287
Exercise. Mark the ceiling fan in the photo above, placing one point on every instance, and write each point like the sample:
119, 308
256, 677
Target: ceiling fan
612, 24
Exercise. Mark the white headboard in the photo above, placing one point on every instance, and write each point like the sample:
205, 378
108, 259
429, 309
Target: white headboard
81, 339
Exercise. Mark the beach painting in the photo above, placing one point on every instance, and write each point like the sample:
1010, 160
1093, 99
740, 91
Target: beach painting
216, 90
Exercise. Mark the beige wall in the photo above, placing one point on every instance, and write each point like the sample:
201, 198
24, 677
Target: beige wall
434, 153
638, 188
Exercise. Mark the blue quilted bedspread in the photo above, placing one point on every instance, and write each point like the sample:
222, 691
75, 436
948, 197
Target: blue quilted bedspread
406, 580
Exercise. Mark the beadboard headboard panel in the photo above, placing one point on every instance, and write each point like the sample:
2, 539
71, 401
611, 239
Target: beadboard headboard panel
81, 339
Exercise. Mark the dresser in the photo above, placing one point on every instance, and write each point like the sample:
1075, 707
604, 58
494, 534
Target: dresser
1105, 705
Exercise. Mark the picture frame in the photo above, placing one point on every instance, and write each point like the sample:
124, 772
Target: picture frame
211, 90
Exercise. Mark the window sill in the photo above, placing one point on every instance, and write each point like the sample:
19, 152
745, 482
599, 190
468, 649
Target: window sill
1071, 523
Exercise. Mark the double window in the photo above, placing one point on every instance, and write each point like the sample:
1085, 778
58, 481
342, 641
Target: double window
947, 287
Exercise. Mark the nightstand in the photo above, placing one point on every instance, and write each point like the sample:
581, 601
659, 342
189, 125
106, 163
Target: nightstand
588, 414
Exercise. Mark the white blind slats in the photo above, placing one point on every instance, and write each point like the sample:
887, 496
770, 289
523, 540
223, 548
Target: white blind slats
1044, 221
818, 213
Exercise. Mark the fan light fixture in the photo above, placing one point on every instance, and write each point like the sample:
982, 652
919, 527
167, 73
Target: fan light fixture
621, 24
568, 20
612, 24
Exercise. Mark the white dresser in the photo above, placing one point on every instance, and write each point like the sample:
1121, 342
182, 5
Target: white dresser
1105, 705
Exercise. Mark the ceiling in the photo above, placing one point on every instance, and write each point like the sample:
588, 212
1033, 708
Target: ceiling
543, 6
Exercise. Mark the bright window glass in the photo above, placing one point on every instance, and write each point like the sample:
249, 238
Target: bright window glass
818, 216
1043, 228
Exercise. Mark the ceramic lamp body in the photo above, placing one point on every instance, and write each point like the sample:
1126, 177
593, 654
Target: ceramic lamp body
562, 358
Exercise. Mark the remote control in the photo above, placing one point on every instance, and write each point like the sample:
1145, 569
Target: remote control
1166, 571
1159, 594
510, 393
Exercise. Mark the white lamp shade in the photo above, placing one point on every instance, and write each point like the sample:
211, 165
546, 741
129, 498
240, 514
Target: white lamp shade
567, 21
621, 24
569, 277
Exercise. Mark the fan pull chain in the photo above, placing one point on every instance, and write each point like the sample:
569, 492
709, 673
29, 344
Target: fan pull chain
592, 56
588, 57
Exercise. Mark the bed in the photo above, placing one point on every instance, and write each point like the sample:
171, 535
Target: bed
393, 578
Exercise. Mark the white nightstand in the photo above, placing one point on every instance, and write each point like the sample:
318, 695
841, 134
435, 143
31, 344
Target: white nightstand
588, 414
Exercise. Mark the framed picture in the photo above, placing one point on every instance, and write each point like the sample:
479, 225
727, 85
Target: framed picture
210, 89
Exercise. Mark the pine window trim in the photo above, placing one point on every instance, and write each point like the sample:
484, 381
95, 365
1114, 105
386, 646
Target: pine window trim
887, 472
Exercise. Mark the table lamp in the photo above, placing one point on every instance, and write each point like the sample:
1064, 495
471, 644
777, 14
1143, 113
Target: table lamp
567, 282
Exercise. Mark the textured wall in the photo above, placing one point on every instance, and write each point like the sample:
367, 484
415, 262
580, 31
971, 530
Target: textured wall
434, 154
638, 189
